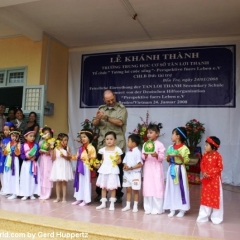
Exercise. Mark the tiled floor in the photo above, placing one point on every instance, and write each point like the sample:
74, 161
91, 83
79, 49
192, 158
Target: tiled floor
228, 230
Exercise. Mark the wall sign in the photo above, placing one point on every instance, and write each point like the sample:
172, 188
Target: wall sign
175, 77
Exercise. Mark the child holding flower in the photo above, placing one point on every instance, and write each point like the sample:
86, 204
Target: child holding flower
29, 176
45, 165
11, 168
62, 168
108, 178
8, 127
82, 180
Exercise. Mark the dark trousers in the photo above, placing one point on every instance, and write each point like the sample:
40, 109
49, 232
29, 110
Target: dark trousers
119, 192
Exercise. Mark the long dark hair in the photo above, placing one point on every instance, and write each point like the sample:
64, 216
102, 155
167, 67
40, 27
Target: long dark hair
60, 138
35, 115
88, 132
48, 129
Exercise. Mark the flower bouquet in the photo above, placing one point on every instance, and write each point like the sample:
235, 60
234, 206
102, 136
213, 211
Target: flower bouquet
93, 164
114, 159
141, 130
57, 146
51, 142
87, 124
48, 142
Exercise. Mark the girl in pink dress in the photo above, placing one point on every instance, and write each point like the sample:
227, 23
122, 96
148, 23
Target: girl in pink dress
153, 176
45, 163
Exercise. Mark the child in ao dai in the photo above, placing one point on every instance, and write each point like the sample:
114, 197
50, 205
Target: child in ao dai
82, 180
29, 176
177, 189
11, 166
211, 193
45, 163
153, 176
5, 139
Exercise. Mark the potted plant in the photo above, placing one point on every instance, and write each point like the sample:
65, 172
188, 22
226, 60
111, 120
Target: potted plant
141, 130
195, 130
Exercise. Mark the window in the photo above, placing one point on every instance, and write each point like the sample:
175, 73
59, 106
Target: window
16, 77
13, 77
14, 91
33, 99
2, 78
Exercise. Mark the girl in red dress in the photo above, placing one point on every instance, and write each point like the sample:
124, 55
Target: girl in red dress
211, 194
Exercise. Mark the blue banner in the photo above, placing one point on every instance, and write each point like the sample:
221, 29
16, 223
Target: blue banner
176, 77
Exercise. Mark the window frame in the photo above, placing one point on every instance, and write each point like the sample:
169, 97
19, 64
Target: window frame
39, 111
4, 71
14, 70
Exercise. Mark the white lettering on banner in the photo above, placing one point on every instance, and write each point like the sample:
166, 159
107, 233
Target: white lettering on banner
180, 55
204, 68
168, 96
199, 63
130, 66
168, 102
142, 58
111, 67
215, 85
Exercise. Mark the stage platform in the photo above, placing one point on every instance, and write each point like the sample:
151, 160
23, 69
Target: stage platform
48, 220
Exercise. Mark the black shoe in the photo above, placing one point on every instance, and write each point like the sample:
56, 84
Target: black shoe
119, 200
97, 198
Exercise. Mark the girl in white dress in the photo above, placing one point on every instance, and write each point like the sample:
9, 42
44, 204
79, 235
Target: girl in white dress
61, 171
82, 180
108, 178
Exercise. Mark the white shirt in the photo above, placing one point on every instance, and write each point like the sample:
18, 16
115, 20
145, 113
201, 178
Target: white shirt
132, 158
